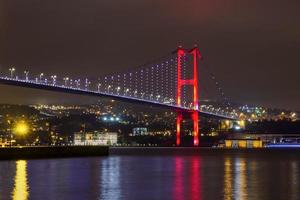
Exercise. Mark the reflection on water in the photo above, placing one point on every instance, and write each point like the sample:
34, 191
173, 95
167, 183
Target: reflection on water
295, 180
195, 177
110, 179
178, 182
240, 181
21, 188
187, 185
227, 179
234, 176
235, 173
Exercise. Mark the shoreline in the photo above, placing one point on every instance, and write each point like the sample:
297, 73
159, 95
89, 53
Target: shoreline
45, 152
156, 151
41, 152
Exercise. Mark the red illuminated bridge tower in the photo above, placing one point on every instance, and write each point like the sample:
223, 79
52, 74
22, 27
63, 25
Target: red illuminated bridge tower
196, 56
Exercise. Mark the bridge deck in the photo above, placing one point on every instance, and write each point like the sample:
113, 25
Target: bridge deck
70, 90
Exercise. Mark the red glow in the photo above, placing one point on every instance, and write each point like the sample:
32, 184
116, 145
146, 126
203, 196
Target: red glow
179, 185
194, 82
196, 128
196, 179
180, 53
179, 117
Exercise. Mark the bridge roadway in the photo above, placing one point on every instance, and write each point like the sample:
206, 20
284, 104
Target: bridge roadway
72, 90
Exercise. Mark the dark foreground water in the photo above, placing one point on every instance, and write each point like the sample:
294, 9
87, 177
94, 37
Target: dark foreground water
156, 174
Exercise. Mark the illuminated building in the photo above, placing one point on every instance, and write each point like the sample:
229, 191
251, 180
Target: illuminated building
4, 142
243, 143
95, 138
139, 131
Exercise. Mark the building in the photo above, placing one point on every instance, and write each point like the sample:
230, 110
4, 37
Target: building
95, 138
139, 131
5, 142
243, 143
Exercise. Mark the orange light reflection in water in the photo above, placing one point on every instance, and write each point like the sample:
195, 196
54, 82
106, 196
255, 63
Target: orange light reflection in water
21, 188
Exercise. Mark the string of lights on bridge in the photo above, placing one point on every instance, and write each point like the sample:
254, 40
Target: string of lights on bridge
150, 83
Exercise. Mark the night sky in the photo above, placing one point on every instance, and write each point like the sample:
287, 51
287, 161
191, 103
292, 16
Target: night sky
252, 46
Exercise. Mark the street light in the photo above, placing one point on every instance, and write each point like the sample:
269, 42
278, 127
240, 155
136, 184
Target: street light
99, 86
53, 77
151, 95
66, 79
118, 89
108, 87
87, 83
135, 92
126, 91
77, 82
41, 75
157, 97
21, 128
12, 69
26, 74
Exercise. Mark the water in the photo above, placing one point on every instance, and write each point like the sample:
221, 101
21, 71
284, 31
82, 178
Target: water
166, 174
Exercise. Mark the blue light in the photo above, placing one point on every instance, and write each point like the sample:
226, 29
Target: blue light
283, 145
112, 119
104, 118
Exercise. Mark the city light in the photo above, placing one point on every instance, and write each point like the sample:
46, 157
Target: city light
21, 128
111, 119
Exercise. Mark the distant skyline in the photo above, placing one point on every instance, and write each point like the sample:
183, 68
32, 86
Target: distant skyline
252, 46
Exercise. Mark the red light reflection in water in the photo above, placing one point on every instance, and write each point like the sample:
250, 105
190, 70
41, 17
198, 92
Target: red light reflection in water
193, 184
178, 187
195, 179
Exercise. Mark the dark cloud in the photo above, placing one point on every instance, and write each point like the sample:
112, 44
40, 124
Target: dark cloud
252, 46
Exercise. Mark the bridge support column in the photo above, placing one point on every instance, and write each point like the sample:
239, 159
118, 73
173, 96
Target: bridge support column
196, 128
178, 127
181, 53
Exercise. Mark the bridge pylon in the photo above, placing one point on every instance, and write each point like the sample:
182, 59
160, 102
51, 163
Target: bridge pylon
196, 56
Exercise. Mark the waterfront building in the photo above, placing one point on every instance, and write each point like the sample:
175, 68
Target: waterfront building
144, 132
139, 131
4, 142
243, 143
95, 138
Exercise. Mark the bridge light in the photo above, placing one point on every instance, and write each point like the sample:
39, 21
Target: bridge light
108, 87
26, 75
66, 79
118, 89
126, 91
41, 75
12, 69
98, 87
157, 97
135, 92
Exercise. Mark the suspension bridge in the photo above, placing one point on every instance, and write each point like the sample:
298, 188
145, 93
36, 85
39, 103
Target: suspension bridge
170, 82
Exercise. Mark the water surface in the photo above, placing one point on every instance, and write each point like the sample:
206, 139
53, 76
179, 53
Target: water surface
156, 174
